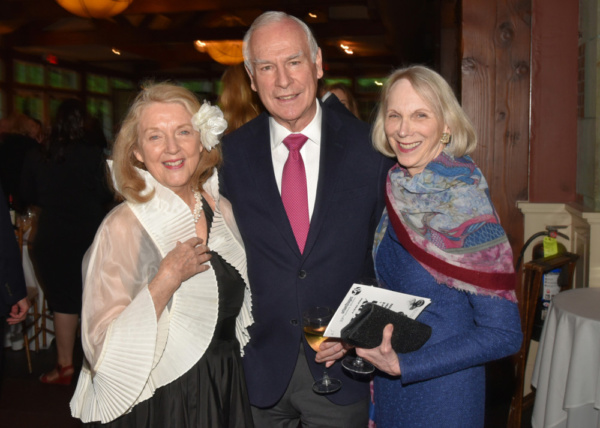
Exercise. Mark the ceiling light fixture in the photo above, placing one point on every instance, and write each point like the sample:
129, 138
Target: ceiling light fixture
200, 46
95, 8
227, 52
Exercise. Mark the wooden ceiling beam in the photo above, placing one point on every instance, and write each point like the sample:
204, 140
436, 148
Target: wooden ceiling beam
170, 6
118, 35
158, 34
111, 34
33, 10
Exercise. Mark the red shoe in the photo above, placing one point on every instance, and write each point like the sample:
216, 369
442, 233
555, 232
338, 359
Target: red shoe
63, 377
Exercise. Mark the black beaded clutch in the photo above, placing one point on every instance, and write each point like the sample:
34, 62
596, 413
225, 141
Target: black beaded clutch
365, 330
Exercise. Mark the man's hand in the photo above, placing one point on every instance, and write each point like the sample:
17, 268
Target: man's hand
331, 351
18, 312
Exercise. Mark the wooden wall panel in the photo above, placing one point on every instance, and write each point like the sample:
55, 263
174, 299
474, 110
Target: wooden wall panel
496, 37
555, 36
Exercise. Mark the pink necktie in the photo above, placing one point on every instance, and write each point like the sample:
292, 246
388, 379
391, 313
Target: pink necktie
293, 188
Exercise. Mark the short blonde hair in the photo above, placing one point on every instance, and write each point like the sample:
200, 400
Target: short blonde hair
129, 183
436, 92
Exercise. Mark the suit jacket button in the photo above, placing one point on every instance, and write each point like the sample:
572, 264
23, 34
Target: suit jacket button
302, 274
294, 322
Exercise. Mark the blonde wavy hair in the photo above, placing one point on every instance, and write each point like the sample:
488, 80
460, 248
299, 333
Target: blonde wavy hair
436, 92
128, 183
238, 101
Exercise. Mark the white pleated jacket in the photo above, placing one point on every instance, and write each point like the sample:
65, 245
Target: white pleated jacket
128, 352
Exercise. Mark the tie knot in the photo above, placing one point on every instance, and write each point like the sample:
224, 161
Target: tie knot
295, 141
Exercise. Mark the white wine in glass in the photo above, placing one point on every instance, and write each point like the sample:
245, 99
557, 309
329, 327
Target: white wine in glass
314, 322
314, 336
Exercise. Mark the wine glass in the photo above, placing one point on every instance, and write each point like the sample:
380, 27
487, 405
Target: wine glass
356, 364
314, 322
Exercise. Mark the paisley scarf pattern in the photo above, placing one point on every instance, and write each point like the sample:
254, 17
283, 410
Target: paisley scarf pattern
445, 218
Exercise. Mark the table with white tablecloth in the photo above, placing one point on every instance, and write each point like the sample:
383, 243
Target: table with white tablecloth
567, 367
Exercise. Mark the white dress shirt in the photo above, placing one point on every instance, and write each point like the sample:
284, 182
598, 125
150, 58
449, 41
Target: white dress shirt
310, 151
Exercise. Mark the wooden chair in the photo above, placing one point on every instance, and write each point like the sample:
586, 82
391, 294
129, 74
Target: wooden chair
31, 322
36, 320
528, 295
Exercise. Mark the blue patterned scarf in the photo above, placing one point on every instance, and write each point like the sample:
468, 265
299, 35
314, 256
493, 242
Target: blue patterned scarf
445, 218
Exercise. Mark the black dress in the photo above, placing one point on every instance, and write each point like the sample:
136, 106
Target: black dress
72, 193
212, 394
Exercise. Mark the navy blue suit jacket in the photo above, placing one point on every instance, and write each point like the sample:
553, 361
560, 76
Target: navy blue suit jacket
284, 282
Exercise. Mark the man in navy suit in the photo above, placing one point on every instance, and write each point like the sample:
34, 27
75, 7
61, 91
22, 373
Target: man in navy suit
345, 180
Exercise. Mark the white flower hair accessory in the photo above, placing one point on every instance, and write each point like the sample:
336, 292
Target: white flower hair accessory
211, 124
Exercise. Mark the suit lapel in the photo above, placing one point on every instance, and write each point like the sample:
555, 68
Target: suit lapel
260, 163
332, 158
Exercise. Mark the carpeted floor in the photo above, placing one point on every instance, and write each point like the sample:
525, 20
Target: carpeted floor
27, 403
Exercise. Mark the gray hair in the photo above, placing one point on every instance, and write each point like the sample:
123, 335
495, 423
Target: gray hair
271, 17
436, 92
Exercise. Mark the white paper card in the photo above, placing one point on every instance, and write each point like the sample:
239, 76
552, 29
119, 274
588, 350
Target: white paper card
360, 295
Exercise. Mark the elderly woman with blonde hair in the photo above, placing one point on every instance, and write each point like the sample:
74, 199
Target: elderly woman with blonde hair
439, 238
164, 318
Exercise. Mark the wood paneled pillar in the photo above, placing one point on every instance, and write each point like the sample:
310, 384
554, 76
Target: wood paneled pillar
496, 39
553, 157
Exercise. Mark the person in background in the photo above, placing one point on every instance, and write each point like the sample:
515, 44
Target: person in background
20, 123
344, 94
36, 130
439, 238
13, 292
238, 102
18, 135
65, 185
163, 327
295, 263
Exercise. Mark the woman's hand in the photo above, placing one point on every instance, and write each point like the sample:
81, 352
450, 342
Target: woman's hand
330, 352
185, 260
181, 263
383, 357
